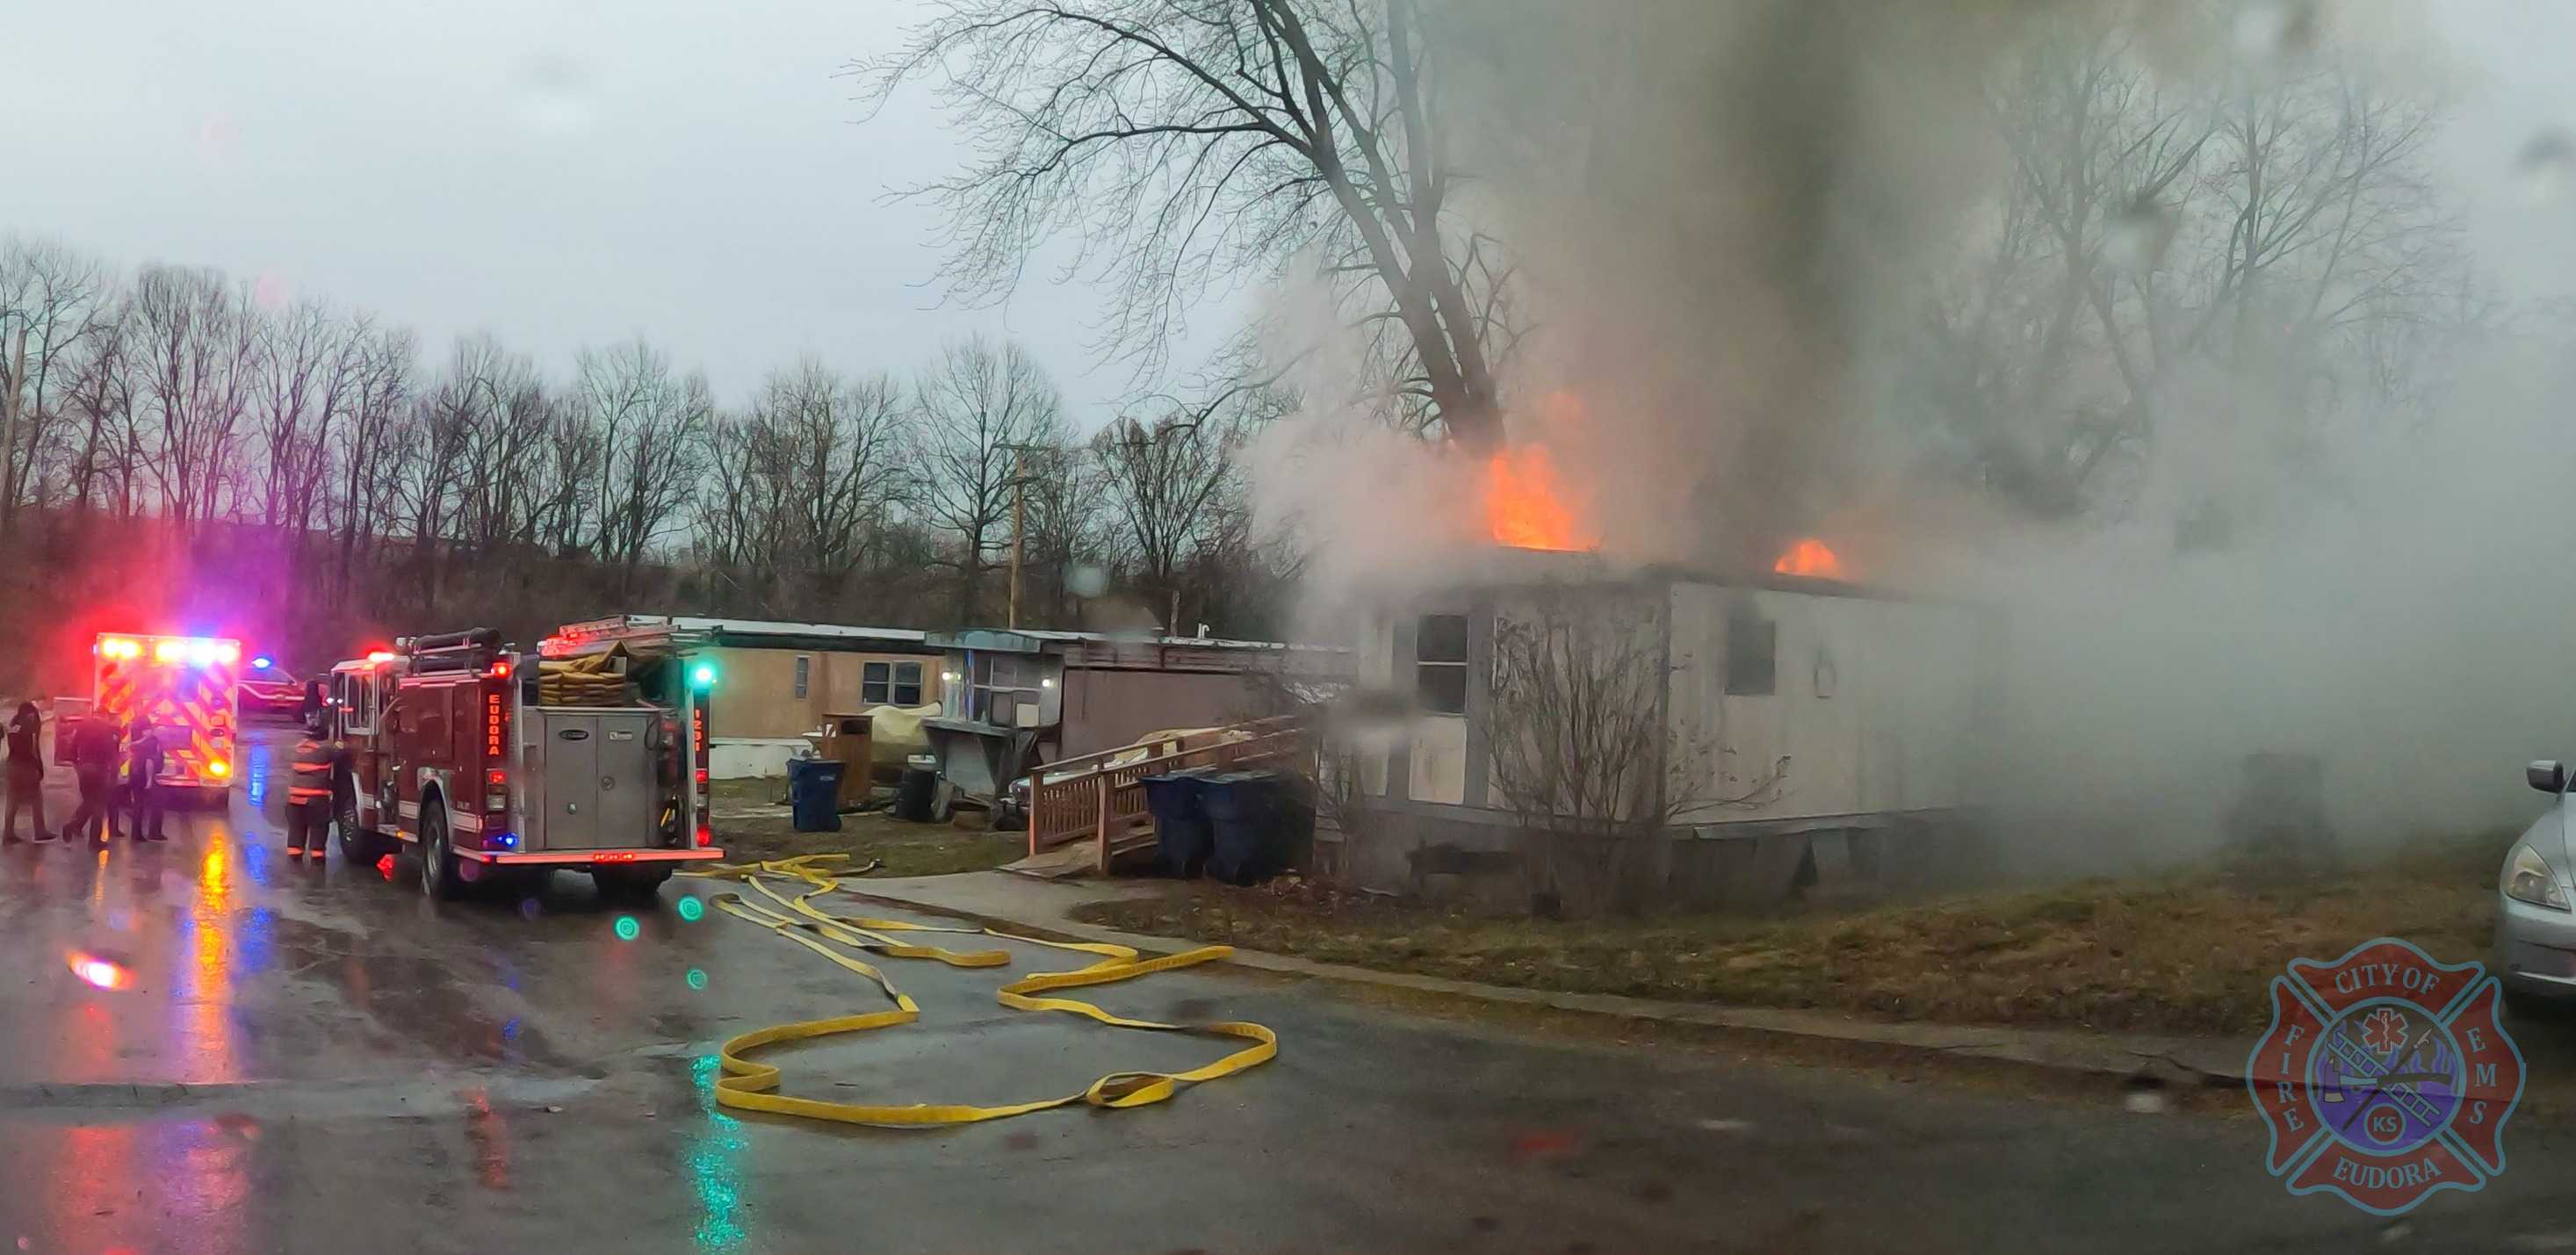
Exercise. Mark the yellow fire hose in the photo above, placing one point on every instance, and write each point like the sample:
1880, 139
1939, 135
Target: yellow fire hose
752, 1085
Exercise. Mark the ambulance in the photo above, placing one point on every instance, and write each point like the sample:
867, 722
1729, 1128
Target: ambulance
186, 685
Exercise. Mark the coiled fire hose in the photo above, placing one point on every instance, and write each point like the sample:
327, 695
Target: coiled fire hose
753, 1086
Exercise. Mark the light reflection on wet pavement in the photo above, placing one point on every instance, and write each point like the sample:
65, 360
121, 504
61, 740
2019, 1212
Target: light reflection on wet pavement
210, 1049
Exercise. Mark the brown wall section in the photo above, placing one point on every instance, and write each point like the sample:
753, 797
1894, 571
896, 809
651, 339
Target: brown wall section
1105, 709
756, 688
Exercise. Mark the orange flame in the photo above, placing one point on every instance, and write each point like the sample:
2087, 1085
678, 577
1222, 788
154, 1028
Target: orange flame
1526, 508
1809, 557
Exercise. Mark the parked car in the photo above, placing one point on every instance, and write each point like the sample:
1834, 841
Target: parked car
269, 690
2535, 937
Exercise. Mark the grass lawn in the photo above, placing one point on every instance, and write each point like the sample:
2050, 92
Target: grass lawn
2183, 953
750, 829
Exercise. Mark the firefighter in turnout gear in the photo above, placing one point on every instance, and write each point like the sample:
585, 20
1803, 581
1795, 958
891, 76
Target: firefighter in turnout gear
143, 762
310, 793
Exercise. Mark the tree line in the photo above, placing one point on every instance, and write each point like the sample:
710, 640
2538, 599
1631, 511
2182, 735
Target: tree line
180, 445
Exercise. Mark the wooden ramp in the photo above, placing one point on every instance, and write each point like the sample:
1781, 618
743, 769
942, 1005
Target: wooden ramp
1087, 813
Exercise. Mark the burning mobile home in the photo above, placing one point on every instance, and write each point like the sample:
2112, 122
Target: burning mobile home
1590, 735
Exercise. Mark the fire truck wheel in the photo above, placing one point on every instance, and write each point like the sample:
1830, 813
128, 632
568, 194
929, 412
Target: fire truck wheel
629, 884
357, 845
438, 876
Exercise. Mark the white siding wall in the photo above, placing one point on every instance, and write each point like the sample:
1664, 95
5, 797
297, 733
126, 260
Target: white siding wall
1376, 673
1440, 760
1870, 702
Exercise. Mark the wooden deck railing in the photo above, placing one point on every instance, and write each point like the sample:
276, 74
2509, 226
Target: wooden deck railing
1088, 798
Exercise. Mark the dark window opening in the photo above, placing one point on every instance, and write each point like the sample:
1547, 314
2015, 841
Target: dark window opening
804, 672
1440, 663
1752, 654
907, 684
876, 683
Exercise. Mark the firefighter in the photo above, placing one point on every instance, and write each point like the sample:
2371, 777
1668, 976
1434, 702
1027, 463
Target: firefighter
96, 749
26, 772
309, 792
142, 779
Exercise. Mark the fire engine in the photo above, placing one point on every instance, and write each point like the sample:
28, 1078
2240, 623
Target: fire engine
185, 685
486, 761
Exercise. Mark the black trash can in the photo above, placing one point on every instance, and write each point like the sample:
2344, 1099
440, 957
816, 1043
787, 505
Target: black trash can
1181, 838
814, 793
913, 795
1248, 825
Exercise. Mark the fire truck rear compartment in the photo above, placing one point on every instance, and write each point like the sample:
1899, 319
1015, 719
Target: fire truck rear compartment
590, 780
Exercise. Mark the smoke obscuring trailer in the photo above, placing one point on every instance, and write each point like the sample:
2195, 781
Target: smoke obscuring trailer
1773, 730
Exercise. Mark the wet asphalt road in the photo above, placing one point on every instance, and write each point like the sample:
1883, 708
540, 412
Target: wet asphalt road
319, 1060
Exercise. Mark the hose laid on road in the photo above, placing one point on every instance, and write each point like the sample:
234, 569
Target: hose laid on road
752, 1086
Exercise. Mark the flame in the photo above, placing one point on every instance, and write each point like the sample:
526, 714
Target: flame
1525, 506
1809, 557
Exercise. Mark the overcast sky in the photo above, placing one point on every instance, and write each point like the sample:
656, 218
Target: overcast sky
562, 173
568, 172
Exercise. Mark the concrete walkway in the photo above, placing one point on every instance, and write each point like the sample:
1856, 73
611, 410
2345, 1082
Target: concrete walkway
1000, 899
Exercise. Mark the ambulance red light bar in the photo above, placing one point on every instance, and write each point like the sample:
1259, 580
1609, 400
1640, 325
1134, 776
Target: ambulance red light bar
194, 651
381, 655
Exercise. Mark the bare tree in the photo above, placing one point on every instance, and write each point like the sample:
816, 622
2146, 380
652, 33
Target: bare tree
306, 365
1066, 549
50, 297
650, 421
650, 426
1583, 752
369, 439
101, 403
1166, 488
2159, 226
1188, 141
199, 339
979, 402
802, 485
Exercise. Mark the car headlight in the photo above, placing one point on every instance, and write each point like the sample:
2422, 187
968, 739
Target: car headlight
2527, 878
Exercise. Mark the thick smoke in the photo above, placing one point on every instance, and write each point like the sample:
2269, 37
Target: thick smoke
1723, 213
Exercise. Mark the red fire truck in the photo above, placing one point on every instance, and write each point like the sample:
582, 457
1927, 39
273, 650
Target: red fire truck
485, 762
185, 685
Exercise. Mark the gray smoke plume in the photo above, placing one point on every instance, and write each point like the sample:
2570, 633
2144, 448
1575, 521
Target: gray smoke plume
1724, 215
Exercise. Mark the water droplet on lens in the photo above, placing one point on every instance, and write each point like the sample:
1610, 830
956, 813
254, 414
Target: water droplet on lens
2269, 31
1086, 581
553, 96
2137, 237
2547, 166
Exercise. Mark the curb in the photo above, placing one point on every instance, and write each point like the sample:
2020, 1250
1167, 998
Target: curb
2133, 1059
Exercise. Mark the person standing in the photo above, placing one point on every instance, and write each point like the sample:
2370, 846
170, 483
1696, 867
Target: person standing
309, 793
96, 752
26, 773
143, 779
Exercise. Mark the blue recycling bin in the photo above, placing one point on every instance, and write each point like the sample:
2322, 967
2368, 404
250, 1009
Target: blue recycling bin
1181, 837
814, 793
1247, 814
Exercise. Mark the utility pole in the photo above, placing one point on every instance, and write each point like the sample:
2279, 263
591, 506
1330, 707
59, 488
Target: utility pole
1019, 515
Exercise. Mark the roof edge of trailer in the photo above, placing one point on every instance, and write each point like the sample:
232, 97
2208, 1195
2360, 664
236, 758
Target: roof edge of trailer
752, 633
1509, 568
1037, 640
